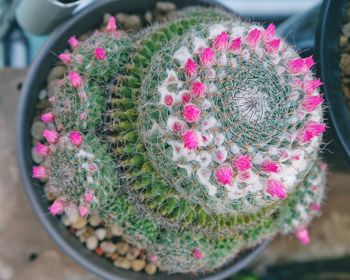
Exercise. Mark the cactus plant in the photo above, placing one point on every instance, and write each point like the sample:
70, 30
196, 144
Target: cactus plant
199, 137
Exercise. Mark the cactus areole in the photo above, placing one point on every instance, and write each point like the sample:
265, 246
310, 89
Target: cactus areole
199, 137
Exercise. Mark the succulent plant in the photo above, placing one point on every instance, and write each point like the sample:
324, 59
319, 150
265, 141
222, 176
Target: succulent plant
199, 137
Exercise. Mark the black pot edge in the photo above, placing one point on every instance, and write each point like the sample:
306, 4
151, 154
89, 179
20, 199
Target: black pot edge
52, 226
337, 110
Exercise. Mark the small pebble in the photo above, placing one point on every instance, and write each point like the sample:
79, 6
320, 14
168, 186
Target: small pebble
343, 41
82, 239
122, 248
65, 220
114, 256
165, 7
346, 29
100, 233
108, 247
132, 22
148, 17
79, 224
94, 220
122, 263
133, 253
42, 94
80, 232
151, 269
121, 17
116, 230
37, 130
56, 73
138, 265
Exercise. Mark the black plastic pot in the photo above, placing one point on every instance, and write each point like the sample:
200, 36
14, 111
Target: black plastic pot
328, 57
83, 22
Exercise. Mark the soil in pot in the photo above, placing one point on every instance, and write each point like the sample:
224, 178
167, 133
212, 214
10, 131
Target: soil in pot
198, 145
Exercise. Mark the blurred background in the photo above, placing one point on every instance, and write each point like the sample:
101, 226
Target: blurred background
26, 251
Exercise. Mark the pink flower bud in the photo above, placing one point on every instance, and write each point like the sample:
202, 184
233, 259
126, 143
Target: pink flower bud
76, 138
73, 42
83, 211
75, 79
303, 236
224, 175
153, 258
311, 85
269, 33
273, 46
276, 189
315, 206
242, 163
186, 97
311, 102
57, 207
198, 88
51, 136
66, 58
207, 57
168, 100
89, 196
252, 38
82, 95
177, 127
221, 41
312, 129
190, 67
111, 25
235, 45
83, 116
39, 172
47, 117
300, 65
191, 113
197, 254
190, 139
100, 54
269, 166
42, 149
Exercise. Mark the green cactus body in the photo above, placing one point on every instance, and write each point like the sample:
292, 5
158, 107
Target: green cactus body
200, 138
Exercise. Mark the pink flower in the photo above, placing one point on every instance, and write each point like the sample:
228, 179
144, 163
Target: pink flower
100, 54
75, 79
190, 67
270, 166
76, 138
207, 57
242, 163
186, 97
177, 127
51, 136
57, 207
312, 129
111, 24
273, 46
39, 172
269, 33
311, 85
83, 116
191, 113
198, 88
224, 175
252, 38
82, 95
168, 100
197, 254
73, 42
235, 45
314, 206
89, 196
153, 258
300, 65
47, 117
221, 41
303, 236
83, 211
311, 102
190, 139
276, 189
66, 58
42, 150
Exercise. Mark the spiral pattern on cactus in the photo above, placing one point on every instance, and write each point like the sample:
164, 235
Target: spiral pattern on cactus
199, 137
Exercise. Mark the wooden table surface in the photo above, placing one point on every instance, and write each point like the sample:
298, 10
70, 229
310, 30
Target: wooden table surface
27, 252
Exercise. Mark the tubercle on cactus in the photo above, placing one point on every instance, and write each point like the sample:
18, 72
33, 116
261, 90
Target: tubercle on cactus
202, 166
